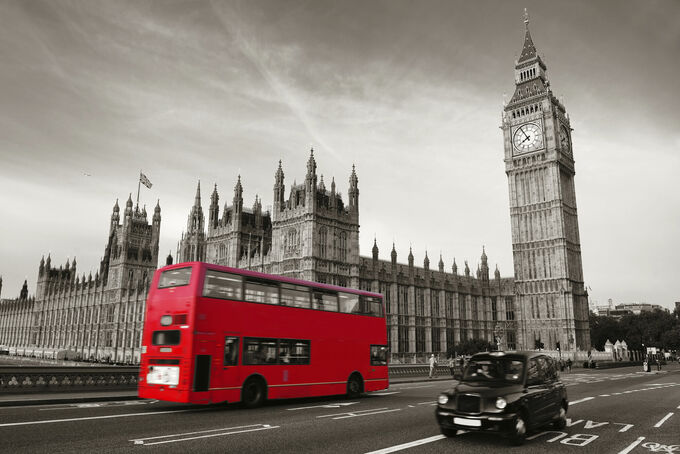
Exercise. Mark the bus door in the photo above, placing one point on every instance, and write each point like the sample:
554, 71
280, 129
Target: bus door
229, 360
377, 369
205, 354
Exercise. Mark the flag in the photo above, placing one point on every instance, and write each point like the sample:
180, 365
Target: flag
145, 181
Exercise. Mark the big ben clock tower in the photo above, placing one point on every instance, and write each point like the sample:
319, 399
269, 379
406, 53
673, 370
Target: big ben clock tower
539, 162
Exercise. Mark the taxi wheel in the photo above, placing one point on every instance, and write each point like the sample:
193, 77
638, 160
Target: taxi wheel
449, 432
561, 421
519, 430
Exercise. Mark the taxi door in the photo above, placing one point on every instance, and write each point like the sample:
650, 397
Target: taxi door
537, 393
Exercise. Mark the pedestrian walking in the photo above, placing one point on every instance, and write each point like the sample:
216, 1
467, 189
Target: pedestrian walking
433, 362
452, 365
568, 364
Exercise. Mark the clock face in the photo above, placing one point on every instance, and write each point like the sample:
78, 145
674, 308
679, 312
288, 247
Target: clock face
564, 140
527, 138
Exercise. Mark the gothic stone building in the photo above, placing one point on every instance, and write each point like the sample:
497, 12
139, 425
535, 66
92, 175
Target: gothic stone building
313, 235
96, 317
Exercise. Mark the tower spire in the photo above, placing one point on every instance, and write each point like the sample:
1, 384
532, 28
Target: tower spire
529, 50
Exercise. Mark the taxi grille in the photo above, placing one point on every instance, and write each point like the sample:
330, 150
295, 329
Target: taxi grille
468, 404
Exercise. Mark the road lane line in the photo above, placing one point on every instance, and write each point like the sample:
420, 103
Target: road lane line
663, 420
408, 445
679, 406
87, 418
197, 432
631, 446
581, 400
351, 415
264, 427
351, 412
336, 405
385, 394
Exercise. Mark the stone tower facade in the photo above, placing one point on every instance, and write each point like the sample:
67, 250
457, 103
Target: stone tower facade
310, 235
193, 241
98, 317
539, 163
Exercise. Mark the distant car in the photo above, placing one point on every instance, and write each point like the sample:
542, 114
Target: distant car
505, 393
4, 350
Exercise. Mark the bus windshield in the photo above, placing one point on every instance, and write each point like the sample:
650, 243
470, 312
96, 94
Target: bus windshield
175, 278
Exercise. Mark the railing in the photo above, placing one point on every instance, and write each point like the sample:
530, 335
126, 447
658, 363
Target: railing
417, 370
40, 379
22, 379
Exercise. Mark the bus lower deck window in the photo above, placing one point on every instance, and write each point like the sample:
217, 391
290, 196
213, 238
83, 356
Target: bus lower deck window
379, 355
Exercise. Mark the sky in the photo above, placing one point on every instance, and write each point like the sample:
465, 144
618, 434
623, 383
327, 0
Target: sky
409, 92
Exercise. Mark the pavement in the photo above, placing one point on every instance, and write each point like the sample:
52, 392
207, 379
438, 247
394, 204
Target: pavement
11, 400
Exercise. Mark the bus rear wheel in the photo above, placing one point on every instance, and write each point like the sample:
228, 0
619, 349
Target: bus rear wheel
253, 393
354, 386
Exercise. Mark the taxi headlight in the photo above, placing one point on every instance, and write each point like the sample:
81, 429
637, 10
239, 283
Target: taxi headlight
501, 403
442, 399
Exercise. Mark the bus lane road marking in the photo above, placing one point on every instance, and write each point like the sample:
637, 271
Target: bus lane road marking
186, 436
354, 414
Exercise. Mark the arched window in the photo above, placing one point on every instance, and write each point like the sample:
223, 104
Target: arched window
323, 240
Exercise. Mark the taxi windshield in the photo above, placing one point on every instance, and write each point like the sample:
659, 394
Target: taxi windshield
494, 370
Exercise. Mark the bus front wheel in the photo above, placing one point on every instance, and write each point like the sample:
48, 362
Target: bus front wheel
354, 386
253, 393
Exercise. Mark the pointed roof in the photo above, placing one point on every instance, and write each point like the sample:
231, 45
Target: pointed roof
529, 50
197, 200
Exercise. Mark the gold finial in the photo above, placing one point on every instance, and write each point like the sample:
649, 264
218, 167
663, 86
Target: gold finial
526, 18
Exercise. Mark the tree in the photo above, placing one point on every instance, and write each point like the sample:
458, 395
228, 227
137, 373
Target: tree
653, 329
470, 347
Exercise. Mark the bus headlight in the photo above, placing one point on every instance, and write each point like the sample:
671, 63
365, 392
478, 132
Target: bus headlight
501, 403
442, 399
166, 320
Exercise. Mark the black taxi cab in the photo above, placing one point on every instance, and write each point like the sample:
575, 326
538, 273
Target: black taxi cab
505, 393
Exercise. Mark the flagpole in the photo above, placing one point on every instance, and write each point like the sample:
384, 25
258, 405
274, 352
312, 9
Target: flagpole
139, 183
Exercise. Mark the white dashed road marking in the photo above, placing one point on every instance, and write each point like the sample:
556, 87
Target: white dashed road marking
173, 438
663, 420
354, 414
581, 400
631, 446
408, 445
125, 415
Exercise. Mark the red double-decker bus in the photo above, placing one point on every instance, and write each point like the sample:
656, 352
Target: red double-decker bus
219, 334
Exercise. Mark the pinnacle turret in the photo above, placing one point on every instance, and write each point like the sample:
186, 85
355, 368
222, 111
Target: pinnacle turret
375, 249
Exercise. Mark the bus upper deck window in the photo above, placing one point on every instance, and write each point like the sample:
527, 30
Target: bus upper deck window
222, 285
175, 278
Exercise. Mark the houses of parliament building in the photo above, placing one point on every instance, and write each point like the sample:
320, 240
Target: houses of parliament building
312, 233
